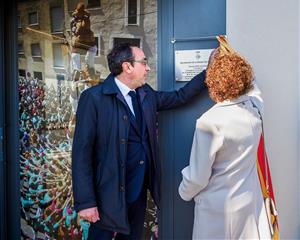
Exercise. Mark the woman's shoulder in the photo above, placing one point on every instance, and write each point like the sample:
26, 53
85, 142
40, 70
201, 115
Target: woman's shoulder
211, 114
211, 119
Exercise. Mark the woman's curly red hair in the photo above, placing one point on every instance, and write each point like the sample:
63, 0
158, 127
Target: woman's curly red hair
228, 77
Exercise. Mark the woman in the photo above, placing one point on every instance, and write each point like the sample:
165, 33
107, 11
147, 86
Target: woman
222, 175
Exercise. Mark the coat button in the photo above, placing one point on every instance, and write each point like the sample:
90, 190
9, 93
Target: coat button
141, 162
122, 188
123, 141
125, 117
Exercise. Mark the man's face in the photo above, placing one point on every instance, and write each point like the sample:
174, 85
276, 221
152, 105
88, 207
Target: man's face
140, 68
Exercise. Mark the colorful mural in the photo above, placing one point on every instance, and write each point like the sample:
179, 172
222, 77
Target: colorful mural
53, 71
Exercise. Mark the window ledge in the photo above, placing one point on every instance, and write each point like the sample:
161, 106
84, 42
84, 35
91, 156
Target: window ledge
37, 58
93, 8
133, 24
57, 33
59, 67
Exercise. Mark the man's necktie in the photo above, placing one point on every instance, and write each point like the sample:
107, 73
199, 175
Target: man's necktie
136, 107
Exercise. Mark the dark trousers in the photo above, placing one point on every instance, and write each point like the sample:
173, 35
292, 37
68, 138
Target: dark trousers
136, 216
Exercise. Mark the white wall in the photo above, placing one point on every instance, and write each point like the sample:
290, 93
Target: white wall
267, 33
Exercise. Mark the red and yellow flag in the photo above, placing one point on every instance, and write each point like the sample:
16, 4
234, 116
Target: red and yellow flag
263, 173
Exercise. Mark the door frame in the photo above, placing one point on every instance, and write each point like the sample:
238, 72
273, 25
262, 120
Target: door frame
165, 19
9, 117
2, 112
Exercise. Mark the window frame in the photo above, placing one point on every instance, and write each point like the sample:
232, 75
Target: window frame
37, 18
19, 22
38, 72
138, 13
62, 66
99, 50
125, 36
22, 70
36, 56
51, 20
21, 53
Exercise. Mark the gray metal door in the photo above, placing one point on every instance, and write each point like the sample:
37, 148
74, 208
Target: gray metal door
182, 25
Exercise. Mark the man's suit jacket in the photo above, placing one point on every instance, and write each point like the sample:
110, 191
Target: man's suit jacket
100, 146
222, 175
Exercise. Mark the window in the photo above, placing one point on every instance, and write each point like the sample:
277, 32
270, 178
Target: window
19, 22
48, 99
57, 56
57, 19
22, 73
132, 12
36, 50
98, 42
94, 4
33, 18
59, 78
133, 41
38, 75
21, 49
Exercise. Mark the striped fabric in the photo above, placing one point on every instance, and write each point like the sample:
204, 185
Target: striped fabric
266, 184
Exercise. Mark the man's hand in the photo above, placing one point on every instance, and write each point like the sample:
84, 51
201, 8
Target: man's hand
89, 214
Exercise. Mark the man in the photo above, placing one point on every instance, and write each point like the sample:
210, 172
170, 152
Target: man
115, 145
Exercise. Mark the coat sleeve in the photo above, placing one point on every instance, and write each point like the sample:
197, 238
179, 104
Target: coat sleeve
167, 100
206, 143
256, 97
82, 153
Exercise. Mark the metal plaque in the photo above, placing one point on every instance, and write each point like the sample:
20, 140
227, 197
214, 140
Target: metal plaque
189, 63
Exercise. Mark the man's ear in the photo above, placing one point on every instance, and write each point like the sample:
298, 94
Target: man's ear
127, 67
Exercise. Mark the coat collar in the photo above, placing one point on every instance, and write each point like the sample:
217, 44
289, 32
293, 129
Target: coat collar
241, 99
110, 87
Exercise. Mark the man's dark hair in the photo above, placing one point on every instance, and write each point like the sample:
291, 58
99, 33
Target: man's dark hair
119, 54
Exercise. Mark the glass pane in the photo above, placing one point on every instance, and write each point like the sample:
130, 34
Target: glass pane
133, 41
20, 48
57, 55
36, 50
38, 75
19, 22
33, 18
132, 11
57, 17
22, 73
93, 3
54, 69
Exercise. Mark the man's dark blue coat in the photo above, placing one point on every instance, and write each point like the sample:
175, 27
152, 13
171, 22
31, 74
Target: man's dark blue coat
100, 146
